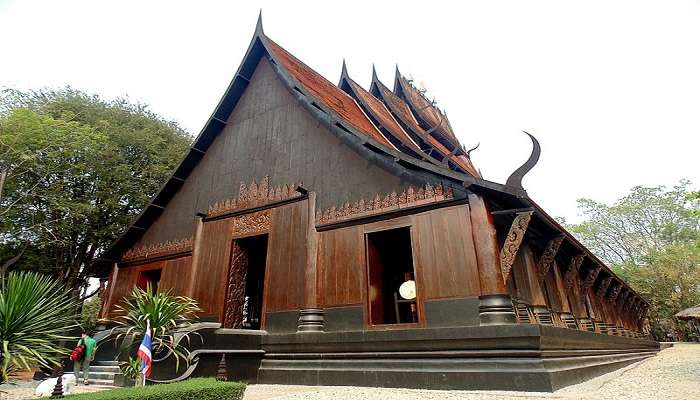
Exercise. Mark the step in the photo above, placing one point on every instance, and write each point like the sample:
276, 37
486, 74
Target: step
104, 368
102, 375
100, 382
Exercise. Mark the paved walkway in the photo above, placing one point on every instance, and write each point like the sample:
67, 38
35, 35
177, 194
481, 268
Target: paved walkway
673, 374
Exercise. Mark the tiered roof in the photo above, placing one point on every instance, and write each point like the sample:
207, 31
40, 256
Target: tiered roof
402, 130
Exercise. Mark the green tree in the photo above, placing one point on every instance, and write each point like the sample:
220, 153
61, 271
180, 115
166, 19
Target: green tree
77, 169
651, 238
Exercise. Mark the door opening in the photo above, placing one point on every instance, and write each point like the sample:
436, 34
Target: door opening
391, 283
245, 289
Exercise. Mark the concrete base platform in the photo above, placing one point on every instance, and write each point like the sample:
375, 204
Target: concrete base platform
520, 357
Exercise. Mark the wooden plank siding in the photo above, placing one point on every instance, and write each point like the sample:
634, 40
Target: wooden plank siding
174, 277
444, 259
286, 258
269, 133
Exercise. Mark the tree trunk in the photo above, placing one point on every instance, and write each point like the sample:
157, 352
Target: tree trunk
3, 175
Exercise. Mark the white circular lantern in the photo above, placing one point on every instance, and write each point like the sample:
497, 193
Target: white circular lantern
407, 290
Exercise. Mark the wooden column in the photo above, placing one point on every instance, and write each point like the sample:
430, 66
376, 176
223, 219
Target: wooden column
196, 247
495, 305
537, 300
311, 317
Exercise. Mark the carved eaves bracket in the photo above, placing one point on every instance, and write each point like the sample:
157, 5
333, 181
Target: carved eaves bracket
614, 292
603, 287
591, 277
546, 262
513, 241
572, 272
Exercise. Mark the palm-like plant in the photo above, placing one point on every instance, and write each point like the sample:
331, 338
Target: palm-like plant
168, 316
36, 312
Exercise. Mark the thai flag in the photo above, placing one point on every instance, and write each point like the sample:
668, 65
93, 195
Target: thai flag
144, 352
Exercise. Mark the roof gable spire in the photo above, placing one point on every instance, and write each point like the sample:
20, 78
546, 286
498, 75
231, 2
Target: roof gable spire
259, 25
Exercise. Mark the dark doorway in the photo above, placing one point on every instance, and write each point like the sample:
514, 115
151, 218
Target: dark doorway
389, 266
149, 277
246, 279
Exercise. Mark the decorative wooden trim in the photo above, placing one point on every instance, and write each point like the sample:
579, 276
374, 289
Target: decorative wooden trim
411, 197
257, 222
603, 287
546, 262
572, 272
158, 250
235, 290
591, 277
255, 194
622, 298
614, 292
513, 241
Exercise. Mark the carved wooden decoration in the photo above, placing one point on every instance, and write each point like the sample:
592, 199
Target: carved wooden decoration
256, 222
603, 287
614, 292
546, 262
253, 195
572, 273
591, 277
622, 298
235, 290
410, 197
158, 250
513, 241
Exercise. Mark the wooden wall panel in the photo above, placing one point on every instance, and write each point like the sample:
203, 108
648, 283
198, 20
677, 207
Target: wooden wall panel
176, 276
444, 254
341, 267
208, 280
270, 133
284, 278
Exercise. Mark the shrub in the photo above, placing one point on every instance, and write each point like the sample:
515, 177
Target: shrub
168, 316
196, 388
35, 314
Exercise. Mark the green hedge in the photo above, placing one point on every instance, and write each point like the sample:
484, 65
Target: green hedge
197, 388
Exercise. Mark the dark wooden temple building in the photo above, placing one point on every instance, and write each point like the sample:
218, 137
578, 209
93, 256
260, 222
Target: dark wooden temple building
334, 234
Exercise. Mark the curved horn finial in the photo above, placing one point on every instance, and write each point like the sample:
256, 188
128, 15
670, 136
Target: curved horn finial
472, 149
516, 178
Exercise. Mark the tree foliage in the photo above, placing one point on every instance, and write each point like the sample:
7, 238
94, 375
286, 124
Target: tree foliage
651, 238
78, 168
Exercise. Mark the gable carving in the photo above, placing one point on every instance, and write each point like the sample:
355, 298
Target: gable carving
253, 195
411, 197
158, 250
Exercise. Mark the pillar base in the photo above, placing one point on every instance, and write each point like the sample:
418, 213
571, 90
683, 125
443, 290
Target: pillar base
496, 309
310, 321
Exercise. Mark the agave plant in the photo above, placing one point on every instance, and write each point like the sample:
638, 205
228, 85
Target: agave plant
168, 316
36, 312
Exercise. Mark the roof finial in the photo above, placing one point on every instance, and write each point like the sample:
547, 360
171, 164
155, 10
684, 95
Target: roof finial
516, 178
259, 25
374, 73
344, 72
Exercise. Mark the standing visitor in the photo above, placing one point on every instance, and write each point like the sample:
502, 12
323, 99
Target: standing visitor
88, 354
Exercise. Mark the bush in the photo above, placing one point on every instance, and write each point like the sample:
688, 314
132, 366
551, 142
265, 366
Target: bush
197, 388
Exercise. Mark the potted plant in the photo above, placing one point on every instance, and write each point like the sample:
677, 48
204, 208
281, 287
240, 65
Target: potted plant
129, 372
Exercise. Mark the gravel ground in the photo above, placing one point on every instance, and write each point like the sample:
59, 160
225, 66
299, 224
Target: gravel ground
674, 374
25, 390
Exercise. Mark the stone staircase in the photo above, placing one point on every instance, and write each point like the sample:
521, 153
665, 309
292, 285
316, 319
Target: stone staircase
102, 372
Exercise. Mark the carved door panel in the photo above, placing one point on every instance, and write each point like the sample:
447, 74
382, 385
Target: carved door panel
235, 290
